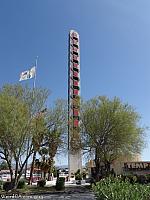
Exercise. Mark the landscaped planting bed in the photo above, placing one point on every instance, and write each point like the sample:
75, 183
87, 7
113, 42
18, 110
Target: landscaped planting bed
116, 189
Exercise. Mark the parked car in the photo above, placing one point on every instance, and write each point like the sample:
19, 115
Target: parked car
5, 177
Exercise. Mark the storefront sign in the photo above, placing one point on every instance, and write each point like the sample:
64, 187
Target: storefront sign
137, 166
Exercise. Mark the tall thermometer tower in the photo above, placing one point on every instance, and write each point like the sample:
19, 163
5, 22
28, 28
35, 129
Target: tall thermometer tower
74, 140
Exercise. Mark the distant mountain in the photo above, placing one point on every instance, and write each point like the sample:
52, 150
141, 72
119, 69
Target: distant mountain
61, 166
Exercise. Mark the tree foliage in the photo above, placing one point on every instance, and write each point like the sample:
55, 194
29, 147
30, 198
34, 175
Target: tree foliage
55, 138
111, 129
18, 135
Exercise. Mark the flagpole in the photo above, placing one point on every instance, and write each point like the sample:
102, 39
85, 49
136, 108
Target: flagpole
34, 154
34, 84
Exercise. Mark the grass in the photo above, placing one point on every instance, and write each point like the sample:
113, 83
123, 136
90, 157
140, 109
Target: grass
33, 189
29, 190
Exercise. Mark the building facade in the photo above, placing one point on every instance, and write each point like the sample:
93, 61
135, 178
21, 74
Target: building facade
125, 165
74, 152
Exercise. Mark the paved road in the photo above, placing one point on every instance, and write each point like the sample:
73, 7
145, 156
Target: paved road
72, 192
76, 196
72, 196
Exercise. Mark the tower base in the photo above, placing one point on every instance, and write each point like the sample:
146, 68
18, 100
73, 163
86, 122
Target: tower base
74, 163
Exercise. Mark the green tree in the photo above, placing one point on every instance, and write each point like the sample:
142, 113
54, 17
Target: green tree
39, 129
111, 129
18, 136
55, 137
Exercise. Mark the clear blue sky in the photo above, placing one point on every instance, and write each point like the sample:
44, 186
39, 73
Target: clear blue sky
115, 47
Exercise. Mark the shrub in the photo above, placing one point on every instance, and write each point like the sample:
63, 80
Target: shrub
84, 175
21, 184
116, 189
131, 178
148, 178
7, 186
78, 175
142, 179
41, 183
60, 183
77, 172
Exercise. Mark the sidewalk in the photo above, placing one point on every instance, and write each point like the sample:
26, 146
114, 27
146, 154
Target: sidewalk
67, 183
